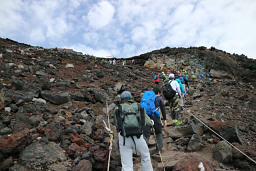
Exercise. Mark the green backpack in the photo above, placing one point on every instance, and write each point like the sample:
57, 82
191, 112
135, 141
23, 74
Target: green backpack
129, 119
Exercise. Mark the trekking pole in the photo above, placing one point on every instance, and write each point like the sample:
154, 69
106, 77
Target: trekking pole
159, 150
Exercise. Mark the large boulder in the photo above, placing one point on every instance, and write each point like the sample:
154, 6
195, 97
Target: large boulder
99, 95
228, 130
222, 152
55, 98
41, 155
192, 162
194, 143
83, 165
220, 74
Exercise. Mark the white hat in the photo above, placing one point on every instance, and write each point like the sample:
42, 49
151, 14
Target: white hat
171, 76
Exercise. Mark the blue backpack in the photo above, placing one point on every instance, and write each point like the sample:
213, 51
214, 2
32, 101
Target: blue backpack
148, 103
155, 77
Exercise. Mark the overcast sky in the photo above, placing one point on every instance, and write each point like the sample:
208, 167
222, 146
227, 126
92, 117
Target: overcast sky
125, 28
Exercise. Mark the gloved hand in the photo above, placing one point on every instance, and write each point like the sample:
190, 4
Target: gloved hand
152, 122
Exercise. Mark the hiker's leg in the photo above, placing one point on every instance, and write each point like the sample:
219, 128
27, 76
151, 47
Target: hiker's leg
126, 153
142, 147
170, 104
176, 106
159, 140
158, 132
146, 133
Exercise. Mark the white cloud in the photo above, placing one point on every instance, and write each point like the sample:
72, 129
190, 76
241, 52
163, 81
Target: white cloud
125, 28
101, 14
37, 35
88, 50
10, 20
91, 37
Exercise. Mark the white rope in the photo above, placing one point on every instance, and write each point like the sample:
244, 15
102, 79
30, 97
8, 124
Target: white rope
225, 139
221, 138
110, 136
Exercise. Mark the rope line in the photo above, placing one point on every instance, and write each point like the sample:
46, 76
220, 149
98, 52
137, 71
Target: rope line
224, 139
110, 136
221, 138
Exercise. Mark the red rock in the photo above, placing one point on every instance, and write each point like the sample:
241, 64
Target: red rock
76, 139
73, 148
15, 142
219, 124
190, 163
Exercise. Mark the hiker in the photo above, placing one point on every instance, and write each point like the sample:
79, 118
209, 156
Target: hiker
129, 120
114, 62
156, 117
170, 70
156, 78
163, 76
201, 76
174, 102
185, 77
182, 89
193, 76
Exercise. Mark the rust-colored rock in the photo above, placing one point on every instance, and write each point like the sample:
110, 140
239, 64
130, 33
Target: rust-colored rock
15, 142
74, 148
190, 163
76, 139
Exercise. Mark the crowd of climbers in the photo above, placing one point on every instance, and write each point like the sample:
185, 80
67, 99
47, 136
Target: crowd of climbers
136, 121
113, 61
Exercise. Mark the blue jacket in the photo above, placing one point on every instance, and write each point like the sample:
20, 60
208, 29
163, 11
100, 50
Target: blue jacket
181, 86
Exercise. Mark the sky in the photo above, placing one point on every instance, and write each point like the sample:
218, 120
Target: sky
125, 28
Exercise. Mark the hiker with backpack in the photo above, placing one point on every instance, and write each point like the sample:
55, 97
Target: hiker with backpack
129, 120
156, 78
154, 105
172, 92
178, 79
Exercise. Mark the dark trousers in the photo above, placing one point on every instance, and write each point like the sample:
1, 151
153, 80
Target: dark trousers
158, 132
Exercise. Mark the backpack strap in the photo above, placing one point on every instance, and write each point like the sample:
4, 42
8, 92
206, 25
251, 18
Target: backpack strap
120, 121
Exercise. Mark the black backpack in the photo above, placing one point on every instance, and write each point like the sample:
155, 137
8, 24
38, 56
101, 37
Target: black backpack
168, 91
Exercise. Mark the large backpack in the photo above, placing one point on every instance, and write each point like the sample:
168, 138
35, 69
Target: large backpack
155, 77
129, 119
168, 91
148, 103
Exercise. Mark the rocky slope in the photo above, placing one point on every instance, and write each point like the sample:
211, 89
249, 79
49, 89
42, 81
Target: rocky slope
53, 102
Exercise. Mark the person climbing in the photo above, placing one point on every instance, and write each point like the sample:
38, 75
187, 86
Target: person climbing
156, 117
156, 78
174, 102
201, 76
164, 76
185, 77
182, 89
170, 70
193, 76
129, 119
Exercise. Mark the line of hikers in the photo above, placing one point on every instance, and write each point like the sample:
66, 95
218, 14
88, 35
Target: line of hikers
134, 120
114, 61
183, 76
